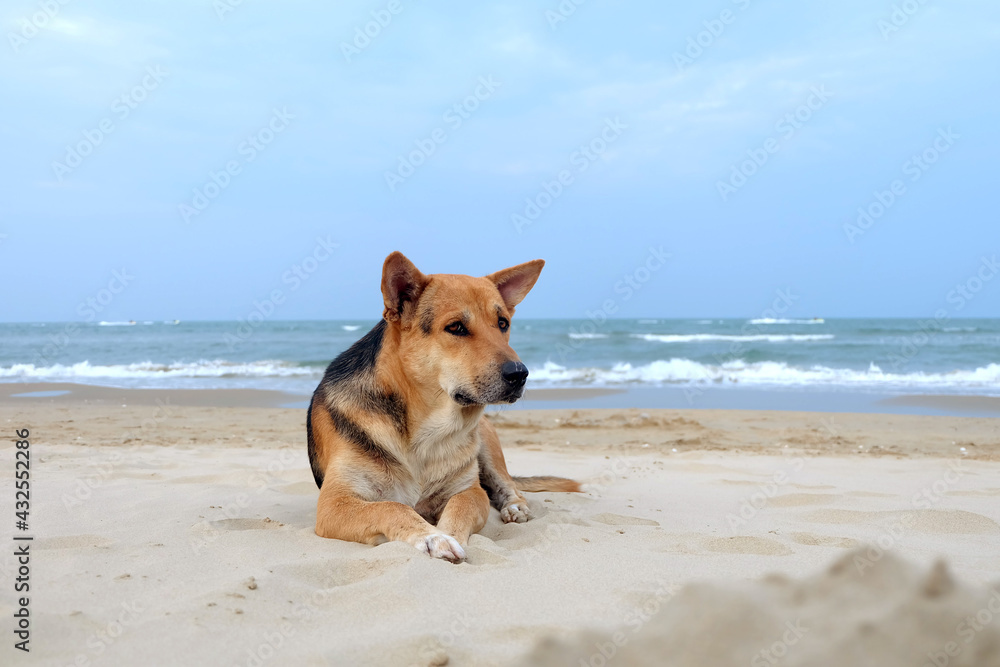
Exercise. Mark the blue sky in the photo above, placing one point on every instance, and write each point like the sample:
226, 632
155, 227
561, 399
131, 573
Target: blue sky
613, 98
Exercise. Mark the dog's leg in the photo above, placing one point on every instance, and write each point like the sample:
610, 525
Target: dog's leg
465, 513
342, 515
496, 480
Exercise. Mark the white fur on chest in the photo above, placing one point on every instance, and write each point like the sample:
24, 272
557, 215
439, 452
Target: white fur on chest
438, 455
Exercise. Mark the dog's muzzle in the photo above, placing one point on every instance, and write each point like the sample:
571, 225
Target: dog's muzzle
513, 375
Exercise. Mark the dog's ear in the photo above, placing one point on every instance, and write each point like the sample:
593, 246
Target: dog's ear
515, 283
402, 284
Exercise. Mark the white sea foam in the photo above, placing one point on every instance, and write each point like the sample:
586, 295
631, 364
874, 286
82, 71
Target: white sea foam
700, 338
764, 373
351, 327
586, 336
149, 369
660, 372
772, 320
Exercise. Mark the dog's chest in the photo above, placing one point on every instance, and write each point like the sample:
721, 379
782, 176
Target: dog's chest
438, 458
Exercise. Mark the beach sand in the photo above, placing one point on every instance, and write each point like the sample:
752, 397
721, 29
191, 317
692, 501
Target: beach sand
177, 528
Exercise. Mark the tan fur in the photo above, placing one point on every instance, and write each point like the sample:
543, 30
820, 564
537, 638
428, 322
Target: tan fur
546, 483
398, 439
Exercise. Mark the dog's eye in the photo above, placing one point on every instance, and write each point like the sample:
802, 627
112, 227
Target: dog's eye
503, 324
457, 329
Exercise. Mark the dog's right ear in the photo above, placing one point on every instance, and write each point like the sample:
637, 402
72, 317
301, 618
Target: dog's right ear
402, 284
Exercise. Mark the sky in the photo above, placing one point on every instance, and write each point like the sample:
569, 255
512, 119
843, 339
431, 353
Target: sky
193, 160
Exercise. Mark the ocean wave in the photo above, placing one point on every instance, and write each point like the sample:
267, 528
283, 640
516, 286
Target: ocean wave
764, 373
676, 371
585, 336
132, 323
700, 338
351, 327
771, 320
149, 369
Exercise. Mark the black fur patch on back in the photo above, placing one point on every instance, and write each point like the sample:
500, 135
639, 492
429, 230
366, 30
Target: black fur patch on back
354, 371
351, 378
313, 462
358, 358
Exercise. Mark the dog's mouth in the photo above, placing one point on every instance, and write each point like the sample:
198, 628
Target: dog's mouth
512, 396
466, 400
463, 399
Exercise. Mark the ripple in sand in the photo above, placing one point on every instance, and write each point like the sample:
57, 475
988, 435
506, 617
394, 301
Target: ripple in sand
73, 542
622, 520
811, 540
484, 555
745, 544
801, 499
326, 573
935, 522
243, 524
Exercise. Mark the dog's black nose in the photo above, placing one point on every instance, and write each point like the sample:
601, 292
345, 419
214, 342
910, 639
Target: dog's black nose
514, 373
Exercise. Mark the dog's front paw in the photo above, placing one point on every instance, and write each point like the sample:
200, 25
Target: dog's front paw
439, 545
516, 512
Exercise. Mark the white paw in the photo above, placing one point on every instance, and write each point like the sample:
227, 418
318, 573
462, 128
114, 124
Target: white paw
439, 545
515, 513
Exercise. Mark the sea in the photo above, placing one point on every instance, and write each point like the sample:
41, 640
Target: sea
691, 357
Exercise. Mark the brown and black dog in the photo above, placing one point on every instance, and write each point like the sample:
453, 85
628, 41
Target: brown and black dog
398, 442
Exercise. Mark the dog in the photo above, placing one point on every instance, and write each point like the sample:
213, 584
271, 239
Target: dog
398, 442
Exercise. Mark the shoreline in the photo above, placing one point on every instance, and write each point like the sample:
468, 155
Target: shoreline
250, 413
582, 398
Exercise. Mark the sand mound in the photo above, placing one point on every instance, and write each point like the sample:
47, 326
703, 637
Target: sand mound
869, 608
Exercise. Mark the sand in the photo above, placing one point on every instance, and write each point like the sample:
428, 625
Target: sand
860, 611
180, 531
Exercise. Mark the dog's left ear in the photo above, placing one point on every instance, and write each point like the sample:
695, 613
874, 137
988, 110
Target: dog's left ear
515, 283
